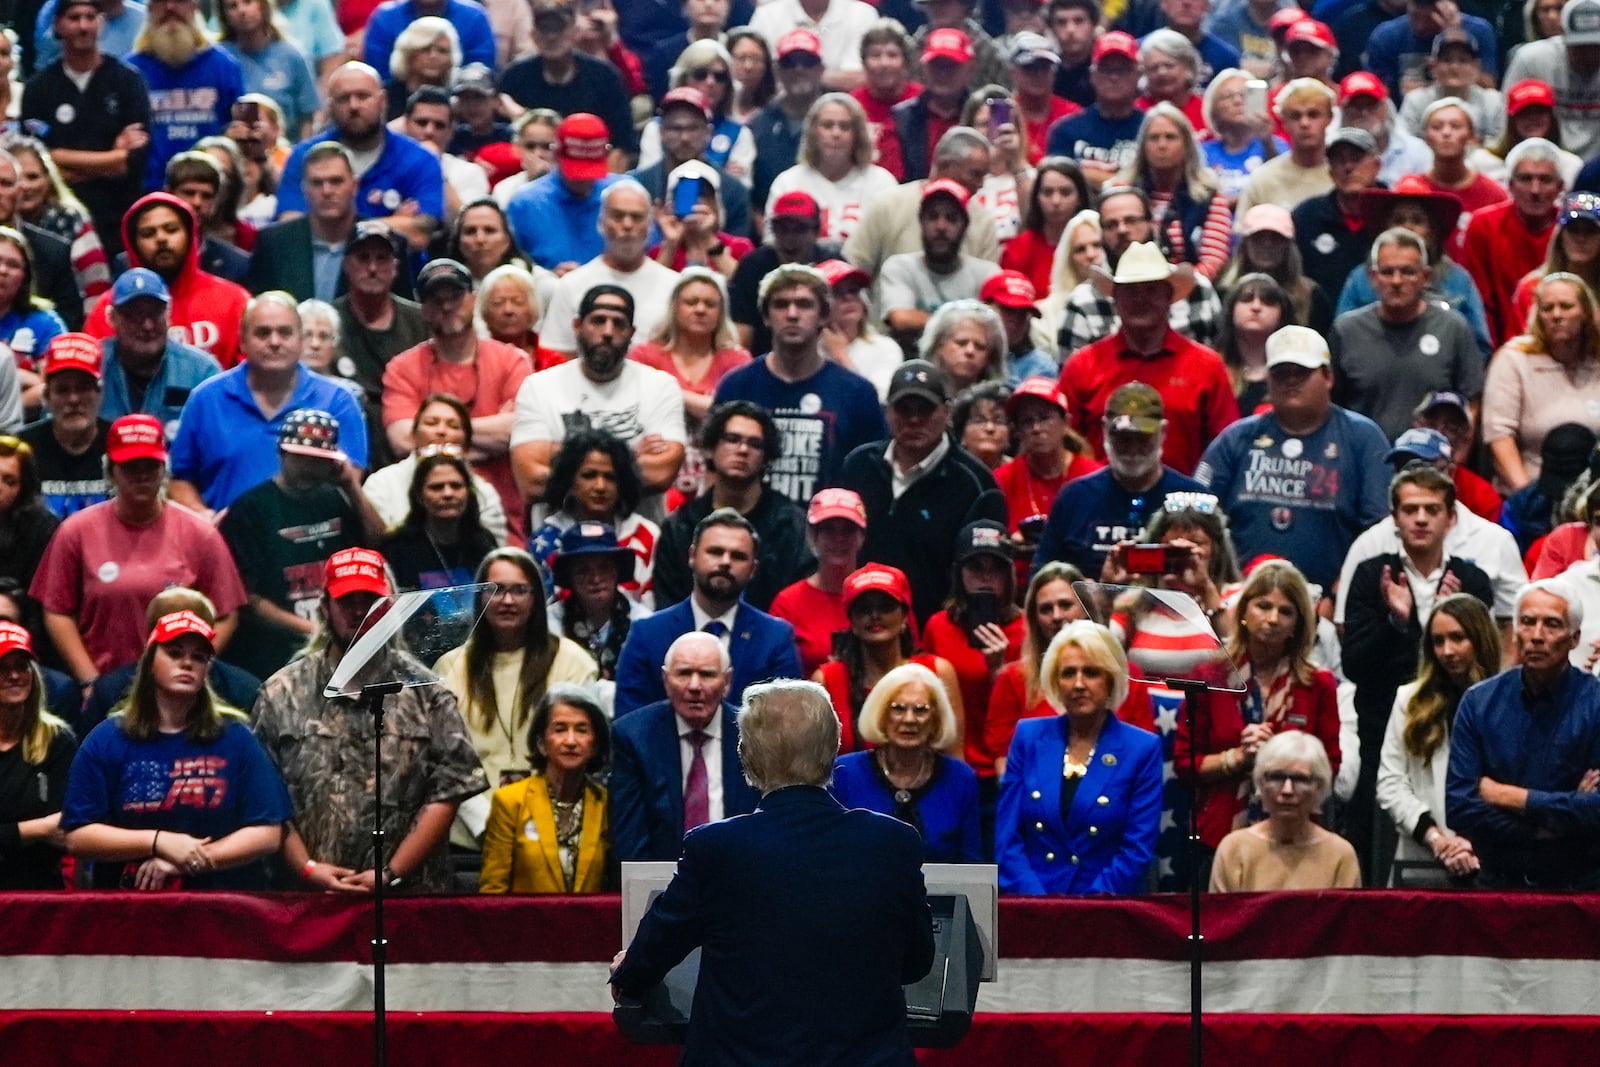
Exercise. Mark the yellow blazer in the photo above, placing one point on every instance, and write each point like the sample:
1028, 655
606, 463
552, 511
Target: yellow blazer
514, 862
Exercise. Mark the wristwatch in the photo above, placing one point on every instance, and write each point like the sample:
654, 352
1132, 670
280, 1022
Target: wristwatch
390, 879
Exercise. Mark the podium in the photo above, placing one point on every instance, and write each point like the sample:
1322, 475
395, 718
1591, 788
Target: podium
964, 898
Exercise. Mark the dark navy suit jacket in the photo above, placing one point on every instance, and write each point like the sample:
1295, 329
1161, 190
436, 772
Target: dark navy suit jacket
761, 647
810, 918
646, 786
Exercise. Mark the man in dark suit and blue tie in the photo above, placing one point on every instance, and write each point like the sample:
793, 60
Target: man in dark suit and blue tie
674, 763
722, 559
810, 918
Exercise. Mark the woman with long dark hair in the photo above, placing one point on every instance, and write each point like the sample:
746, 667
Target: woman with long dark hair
1460, 648
508, 663
877, 601
755, 85
1267, 247
36, 751
174, 738
548, 832
1059, 191
442, 540
594, 478
1255, 307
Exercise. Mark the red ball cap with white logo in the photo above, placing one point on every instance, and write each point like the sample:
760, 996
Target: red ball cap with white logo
136, 437
877, 578
843, 504
73, 351
355, 570
582, 146
177, 624
14, 638
1010, 289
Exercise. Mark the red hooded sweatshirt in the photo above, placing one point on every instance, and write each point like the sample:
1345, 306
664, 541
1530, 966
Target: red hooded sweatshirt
206, 310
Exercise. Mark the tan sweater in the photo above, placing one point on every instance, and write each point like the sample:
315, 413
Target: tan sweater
1247, 861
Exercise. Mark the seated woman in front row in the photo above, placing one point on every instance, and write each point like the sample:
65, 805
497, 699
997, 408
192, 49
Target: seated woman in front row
1289, 850
173, 789
909, 718
1080, 802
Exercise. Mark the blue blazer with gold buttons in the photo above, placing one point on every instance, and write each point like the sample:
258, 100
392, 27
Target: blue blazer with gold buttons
1109, 838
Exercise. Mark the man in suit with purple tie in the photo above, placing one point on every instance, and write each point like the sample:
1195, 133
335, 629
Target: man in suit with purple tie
675, 763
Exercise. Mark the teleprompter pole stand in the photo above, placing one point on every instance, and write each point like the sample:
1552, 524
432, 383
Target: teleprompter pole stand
372, 699
1193, 691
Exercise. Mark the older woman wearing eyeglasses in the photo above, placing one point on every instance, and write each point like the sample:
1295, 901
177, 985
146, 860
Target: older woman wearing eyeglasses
908, 717
1289, 850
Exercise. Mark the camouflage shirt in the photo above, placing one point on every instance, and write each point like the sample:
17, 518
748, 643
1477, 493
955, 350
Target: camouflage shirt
323, 748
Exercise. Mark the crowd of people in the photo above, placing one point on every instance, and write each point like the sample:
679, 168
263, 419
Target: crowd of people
720, 343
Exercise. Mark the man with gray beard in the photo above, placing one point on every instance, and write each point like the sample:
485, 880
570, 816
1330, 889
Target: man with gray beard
1092, 514
192, 83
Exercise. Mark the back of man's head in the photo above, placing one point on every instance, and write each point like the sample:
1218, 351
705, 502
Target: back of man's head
788, 735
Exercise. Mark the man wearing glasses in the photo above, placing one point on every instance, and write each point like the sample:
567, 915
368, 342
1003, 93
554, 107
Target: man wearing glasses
685, 121
838, 25
739, 439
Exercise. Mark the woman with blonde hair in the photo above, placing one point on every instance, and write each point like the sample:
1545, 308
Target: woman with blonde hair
45, 200
1239, 141
174, 738
1193, 219
1081, 784
252, 34
908, 718
427, 52
834, 165
1542, 379
509, 310
1460, 648
1574, 249
36, 750
1080, 250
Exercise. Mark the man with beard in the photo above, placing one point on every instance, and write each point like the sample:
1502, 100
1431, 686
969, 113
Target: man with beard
147, 370
723, 560
69, 447
602, 389
1303, 479
653, 756
913, 285
740, 440
400, 181
93, 112
920, 488
193, 84
1192, 379
282, 532
323, 748
1091, 314
228, 435
625, 213
486, 373
1093, 514
162, 234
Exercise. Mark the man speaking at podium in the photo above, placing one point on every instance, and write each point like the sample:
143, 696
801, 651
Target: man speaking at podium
810, 917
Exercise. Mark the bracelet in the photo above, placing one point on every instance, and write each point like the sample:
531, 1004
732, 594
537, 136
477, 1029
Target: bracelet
153, 841
305, 872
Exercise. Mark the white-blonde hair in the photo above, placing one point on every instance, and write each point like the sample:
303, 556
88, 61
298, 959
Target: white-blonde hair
1101, 647
875, 709
421, 33
1295, 746
507, 272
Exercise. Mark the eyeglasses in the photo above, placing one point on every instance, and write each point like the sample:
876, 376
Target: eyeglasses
916, 711
734, 440
1279, 779
454, 451
700, 74
514, 592
989, 422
